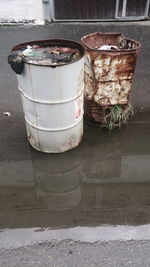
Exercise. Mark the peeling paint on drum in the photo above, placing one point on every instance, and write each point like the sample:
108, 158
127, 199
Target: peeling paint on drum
108, 74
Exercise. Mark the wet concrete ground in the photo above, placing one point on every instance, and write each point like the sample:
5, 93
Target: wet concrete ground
105, 181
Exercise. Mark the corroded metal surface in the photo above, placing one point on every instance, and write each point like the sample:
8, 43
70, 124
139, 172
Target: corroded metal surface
108, 73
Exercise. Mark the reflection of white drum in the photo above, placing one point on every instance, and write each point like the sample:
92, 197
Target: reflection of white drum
58, 179
60, 201
59, 190
52, 100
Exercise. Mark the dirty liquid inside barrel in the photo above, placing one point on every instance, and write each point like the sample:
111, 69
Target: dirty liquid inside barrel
50, 55
47, 56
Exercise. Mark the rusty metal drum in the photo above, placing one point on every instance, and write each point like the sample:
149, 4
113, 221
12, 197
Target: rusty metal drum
52, 98
109, 68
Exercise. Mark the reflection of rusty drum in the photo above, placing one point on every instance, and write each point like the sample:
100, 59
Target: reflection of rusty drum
109, 67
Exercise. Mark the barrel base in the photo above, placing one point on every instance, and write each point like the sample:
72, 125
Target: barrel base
55, 141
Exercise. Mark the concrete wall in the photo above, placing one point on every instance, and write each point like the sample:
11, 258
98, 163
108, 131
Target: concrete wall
21, 11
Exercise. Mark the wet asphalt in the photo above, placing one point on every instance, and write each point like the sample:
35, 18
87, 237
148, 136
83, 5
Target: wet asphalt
105, 181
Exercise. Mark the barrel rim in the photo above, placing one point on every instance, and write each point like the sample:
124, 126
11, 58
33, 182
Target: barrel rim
53, 41
111, 51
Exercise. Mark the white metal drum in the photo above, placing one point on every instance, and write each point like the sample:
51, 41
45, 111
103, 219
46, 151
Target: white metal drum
53, 105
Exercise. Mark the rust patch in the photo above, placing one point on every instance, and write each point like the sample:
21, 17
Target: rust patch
93, 111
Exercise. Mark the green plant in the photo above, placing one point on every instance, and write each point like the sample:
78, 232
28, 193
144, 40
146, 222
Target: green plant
117, 116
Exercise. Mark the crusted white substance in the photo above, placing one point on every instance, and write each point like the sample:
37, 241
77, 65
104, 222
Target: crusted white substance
108, 80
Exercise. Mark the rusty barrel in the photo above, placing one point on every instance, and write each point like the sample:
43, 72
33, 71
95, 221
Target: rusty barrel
109, 68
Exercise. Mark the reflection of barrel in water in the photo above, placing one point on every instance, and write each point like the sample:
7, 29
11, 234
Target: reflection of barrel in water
58, 179
103, 157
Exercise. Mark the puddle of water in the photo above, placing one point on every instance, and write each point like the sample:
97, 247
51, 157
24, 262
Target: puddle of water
105, 181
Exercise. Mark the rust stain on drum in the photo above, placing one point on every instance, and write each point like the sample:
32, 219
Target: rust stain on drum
108, 73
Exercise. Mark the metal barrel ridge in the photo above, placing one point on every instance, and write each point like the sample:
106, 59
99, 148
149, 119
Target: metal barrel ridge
52, 98
108, 74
